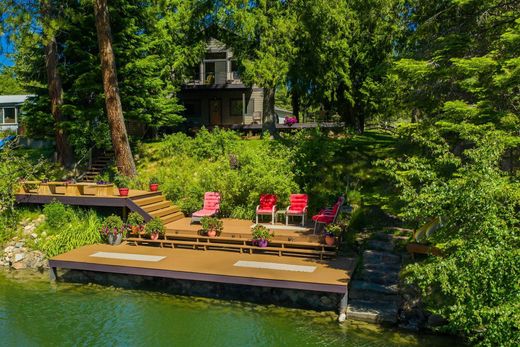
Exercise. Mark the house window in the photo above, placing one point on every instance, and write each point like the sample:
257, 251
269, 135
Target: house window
234, 70
236, 107
209, 73
9, 115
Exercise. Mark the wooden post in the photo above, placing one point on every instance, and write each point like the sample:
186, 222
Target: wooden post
53, 274
343, 307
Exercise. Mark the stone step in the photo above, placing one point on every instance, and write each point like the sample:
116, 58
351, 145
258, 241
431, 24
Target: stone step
379, 276
383, 236
377, 257
382, 267
372, 312
364, 289
377, 245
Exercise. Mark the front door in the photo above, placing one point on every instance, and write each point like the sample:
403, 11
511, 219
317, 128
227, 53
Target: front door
215, 111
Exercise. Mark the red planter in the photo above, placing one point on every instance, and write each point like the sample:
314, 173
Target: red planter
123, 191
154, 187
154, 236
212, 233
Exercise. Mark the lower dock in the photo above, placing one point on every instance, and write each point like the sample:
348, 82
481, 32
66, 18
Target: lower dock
328, 276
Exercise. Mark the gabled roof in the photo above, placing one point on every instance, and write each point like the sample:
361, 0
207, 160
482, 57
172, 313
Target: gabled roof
13, 99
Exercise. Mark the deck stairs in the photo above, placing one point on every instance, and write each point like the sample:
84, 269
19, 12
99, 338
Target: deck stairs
374, 292
99, 163
156, 205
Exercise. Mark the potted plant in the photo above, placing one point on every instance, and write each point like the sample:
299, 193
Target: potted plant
135, 223
122, 183
332, 231
113, 229
261, 236
154, 228
211, 226
154, 184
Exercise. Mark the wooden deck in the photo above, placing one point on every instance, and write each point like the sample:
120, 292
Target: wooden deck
330, 276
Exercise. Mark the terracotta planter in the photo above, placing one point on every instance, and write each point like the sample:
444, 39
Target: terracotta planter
262, 243
330, 240
154, 236
212, 233
154, 187
123, 191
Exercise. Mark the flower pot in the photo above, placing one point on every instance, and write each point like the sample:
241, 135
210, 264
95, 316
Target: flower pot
115, 240
154, 187
261, 243
135, 229
154, 236
212, 233
330, 240
123, 191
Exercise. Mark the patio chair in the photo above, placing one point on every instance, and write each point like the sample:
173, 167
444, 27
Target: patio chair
328, 215
267, 207
210, 209
297, 208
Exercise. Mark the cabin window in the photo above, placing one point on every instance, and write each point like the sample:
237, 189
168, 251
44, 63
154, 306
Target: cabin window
236, 107
209, 73
9, 115
234, 70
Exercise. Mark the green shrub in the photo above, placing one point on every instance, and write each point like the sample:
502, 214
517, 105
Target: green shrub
187, 168
82, 229
260, 232
57, 214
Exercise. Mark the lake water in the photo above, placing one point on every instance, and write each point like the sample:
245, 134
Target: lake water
36, 312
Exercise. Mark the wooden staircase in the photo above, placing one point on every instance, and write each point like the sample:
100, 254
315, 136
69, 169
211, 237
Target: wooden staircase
98, 165
156, 205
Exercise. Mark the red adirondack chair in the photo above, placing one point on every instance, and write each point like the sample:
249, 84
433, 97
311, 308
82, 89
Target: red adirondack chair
211, 207
298, 207
328, 215
267, 207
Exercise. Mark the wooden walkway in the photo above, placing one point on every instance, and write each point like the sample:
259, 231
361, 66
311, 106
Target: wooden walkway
330, 276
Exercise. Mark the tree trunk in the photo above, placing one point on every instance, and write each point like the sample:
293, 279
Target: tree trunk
295, 101
123, 153
55, 88
269, 116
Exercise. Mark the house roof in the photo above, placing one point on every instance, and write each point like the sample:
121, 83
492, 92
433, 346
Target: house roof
13, 99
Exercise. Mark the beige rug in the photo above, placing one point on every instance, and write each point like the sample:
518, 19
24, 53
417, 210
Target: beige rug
127, 256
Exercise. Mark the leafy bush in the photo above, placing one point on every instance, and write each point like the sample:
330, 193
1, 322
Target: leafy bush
56, 214
81, 229
187, 168
474, 285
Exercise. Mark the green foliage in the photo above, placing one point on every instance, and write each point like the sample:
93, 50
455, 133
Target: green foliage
211, 223
155, 226
475, 284
187, 168
14, 167
134, 219
334, 229
113, 221
82, 228
122, 181
260, 232
153, 180
57, 214
8, 83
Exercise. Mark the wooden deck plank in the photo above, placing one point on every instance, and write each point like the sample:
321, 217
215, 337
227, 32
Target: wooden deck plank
329, 275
